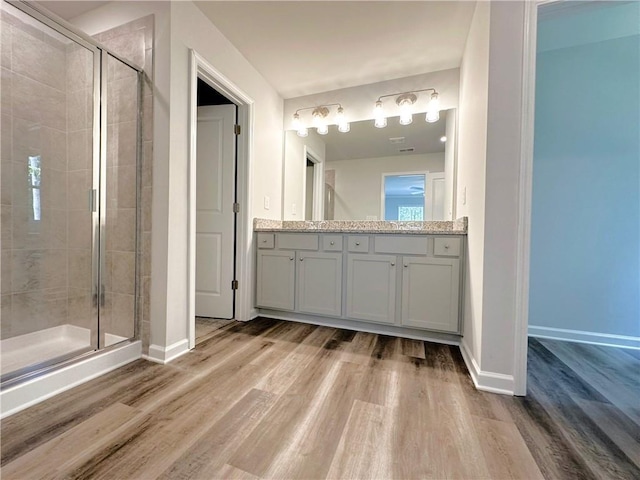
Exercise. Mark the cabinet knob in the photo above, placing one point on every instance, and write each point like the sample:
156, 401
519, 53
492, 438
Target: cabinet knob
406, 266
333, 243
301, 259
264, 241
446, 246
357, 244
393, 264
290, 258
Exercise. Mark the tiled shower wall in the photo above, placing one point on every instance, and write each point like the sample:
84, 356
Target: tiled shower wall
44, 260
134, 42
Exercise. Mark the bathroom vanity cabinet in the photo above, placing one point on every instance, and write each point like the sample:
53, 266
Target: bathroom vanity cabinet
403, 280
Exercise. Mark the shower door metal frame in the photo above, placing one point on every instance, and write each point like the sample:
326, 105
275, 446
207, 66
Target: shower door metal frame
97, 196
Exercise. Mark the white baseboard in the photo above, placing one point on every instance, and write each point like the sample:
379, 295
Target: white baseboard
381, 329
164, 355
30, 392
487, 381
253, 314
594, 338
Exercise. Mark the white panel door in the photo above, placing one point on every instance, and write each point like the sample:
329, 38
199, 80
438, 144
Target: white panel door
435, 196
371, 287
215, 184
275, 284
430, 293
320, 283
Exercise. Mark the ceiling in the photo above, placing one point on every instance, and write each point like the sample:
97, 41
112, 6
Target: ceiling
366, 141
307, 47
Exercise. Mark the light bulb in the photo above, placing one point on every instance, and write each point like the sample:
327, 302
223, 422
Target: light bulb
406, 117
378, 115
433, 109
296, 124
443, 139
303, 132
322, 129
341, 121
432, 116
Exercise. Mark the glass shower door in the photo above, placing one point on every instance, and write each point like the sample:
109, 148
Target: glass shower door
119, 214
49, 171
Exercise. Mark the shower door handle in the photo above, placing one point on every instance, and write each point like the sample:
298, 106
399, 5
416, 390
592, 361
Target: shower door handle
102, 296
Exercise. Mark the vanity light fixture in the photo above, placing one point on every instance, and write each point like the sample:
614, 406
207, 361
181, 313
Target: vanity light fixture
319, 116
406, 100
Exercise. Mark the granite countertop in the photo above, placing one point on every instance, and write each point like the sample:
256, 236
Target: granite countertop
456, 227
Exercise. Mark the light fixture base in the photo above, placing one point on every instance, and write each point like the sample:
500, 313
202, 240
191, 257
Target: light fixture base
321, 112
406, 98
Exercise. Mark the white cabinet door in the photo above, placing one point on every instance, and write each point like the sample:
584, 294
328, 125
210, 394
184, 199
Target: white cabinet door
430, 289
371, 287
275, 284
319, 285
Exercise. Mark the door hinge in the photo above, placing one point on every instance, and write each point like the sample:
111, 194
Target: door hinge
236, 129
236, 208
234, 284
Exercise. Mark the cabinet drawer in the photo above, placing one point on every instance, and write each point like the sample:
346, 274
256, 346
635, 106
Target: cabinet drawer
297, 241
400, 245
332, 243
266, 240
358, 244
447, 246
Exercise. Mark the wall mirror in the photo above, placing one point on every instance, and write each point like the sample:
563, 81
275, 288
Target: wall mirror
400, 172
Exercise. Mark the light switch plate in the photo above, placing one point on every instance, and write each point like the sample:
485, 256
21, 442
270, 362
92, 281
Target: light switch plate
294, 209
267, 202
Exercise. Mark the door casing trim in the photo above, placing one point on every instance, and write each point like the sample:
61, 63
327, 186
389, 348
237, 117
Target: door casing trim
200, 68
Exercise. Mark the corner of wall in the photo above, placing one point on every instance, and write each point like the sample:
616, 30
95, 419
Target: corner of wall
162, 355
486, 381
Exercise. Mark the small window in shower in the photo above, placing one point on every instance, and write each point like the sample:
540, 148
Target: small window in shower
35, 176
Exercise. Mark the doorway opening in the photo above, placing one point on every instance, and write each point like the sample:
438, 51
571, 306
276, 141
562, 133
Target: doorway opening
215, 199
219, 226
313, 186
578, 308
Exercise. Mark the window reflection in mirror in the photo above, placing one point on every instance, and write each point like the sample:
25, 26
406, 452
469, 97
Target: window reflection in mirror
404, 197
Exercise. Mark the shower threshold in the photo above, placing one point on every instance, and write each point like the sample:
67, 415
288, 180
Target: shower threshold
23, 351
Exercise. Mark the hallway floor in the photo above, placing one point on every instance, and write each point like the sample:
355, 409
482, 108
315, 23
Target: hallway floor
273, 399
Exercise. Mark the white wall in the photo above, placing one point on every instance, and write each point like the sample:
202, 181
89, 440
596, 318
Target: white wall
450, 164
358, 102
295, 162
180, 26
472, 159
502, 187
358, 182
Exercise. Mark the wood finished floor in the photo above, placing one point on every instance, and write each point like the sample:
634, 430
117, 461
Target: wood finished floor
271, 399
